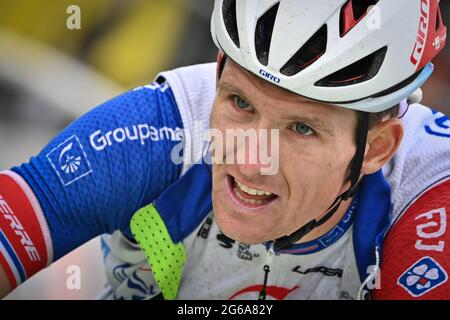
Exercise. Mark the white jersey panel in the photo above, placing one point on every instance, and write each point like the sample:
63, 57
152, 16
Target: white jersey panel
194, 88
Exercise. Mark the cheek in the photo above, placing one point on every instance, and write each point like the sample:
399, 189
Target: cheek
331, 167
315, 171
214, 120
220, 119
340, 157
221, 116
219, 123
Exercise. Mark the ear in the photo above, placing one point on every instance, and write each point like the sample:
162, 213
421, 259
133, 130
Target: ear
383, 141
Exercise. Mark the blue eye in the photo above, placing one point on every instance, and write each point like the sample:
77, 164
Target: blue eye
241, 103
303, 129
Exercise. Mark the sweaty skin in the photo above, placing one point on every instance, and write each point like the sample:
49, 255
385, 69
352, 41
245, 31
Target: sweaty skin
313, 164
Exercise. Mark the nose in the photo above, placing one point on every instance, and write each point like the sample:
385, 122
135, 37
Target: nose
252, 153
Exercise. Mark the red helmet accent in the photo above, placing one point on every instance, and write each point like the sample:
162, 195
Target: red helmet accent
431, 35
348, 19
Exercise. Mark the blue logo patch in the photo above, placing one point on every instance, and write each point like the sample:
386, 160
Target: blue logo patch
269, 76
422, 277
440, 126
69, 161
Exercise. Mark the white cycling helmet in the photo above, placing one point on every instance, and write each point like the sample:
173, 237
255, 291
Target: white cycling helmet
366, 55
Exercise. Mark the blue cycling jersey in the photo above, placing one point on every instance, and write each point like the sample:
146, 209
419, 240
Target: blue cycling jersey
119, 156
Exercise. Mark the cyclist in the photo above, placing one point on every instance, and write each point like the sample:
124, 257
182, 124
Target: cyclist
350, 187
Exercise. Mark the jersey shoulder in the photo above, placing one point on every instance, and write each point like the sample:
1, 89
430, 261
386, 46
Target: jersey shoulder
423, 158
415, 259
194, 89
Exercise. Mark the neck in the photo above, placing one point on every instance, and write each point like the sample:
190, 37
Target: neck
328, 225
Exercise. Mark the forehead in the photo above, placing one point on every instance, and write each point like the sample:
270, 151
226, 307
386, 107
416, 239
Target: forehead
235, 78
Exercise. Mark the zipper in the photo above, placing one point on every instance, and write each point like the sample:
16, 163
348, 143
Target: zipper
266, 269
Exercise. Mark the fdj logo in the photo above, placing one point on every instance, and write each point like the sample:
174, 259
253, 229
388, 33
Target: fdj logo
69, 161
269, 76
422, 277
440, 126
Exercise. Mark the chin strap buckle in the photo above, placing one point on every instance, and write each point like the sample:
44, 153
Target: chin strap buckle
288, 241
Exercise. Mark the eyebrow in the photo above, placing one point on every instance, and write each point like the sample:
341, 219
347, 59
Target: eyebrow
223, 85
314, 121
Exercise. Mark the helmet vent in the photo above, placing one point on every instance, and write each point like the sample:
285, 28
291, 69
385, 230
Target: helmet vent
229, 18
311, 51
360, 71
263, 34
352, 12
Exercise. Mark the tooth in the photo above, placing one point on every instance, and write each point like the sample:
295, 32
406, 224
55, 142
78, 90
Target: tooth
244, 188
249, 201
252, 191
240, 196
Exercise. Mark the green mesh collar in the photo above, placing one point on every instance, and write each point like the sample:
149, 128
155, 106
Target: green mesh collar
165, 258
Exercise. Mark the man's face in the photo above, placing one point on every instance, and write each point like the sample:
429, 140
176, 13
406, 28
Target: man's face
316, 145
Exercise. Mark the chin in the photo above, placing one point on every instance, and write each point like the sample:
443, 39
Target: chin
241, 231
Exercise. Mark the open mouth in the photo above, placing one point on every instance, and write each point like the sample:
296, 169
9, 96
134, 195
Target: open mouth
248, 197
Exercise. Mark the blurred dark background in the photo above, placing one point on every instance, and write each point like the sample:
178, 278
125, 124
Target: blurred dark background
49, 74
